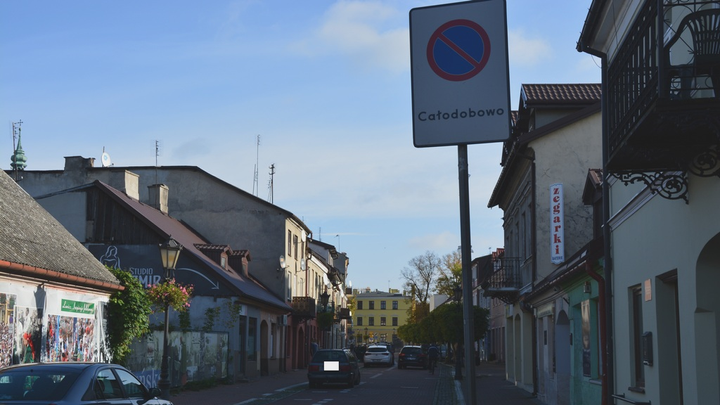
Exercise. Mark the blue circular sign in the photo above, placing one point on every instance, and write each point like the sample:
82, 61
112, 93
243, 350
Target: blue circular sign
458, 50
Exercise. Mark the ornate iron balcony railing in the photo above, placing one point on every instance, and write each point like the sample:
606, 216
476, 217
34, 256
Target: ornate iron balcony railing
304, 307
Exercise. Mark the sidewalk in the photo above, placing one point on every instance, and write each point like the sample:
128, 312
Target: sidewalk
491, 388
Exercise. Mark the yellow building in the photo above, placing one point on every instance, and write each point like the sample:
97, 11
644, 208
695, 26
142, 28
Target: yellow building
378, 314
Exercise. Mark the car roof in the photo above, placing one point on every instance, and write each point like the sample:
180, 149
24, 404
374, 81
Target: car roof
58, 365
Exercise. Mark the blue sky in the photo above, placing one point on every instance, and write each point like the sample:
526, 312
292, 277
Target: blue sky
325, 83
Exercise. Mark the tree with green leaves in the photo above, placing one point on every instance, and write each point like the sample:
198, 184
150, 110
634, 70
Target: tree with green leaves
450, 274
128, 314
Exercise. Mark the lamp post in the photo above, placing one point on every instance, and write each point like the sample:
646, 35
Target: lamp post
169, 253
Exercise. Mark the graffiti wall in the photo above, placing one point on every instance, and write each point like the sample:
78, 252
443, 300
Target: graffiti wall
193, 356
39, 323
27, 335
73, 328
7, 335
70, 339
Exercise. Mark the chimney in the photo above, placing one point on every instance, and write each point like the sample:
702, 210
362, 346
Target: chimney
78, 163
158, 197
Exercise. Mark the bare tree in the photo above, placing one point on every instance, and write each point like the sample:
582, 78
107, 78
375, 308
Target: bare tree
422, 274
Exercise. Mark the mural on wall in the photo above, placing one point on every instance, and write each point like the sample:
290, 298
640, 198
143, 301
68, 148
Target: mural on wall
143, 262
27, 335
70, 338
193, 356
7, 307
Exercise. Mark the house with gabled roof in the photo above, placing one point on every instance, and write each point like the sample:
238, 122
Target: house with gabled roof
243, 315
555, 138
53, 292
222, 213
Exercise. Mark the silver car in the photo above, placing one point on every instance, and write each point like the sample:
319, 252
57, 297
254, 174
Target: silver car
74, 383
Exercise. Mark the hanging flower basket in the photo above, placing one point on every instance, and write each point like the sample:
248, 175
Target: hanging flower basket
171, 293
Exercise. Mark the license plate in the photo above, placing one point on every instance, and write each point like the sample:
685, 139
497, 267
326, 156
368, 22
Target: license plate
331, 366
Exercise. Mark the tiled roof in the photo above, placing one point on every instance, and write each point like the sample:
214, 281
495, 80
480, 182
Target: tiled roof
30, 236
586, 93
168, 226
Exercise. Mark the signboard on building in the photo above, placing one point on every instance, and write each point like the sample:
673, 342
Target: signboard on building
557, 224
460, 85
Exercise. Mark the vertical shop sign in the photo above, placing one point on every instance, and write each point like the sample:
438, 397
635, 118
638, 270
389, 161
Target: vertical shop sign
557, 224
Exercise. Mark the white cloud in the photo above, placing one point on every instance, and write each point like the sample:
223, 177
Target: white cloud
527, 51
366, 31
441, 242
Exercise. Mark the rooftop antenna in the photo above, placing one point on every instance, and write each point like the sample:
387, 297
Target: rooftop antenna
157, 153
255, 171
270, 184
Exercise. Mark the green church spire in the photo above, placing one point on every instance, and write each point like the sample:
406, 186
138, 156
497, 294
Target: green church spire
18, 158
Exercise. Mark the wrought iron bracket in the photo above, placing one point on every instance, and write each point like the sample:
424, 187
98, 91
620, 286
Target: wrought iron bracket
705, 163
669, 185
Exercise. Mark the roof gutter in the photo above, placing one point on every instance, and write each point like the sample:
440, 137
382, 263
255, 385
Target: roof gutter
38, 272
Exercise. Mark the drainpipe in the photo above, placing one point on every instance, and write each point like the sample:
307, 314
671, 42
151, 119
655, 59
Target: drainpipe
607, 268
603, 326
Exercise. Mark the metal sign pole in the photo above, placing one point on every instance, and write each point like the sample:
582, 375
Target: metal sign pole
466, 251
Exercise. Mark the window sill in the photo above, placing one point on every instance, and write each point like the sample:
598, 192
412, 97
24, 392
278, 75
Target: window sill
640, 390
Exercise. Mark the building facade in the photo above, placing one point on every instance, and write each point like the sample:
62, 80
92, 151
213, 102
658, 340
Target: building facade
220, 212
661, 136
53, 292
378, 315
555, 140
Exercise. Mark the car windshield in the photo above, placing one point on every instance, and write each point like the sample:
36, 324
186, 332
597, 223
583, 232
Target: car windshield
412, 350
329, 355
33, 384
376, 350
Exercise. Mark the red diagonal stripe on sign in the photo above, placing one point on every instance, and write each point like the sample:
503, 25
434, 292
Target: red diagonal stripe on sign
459, 50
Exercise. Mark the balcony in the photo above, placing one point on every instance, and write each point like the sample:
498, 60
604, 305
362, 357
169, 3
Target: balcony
343, 313
663, 96
304, 307
506, 281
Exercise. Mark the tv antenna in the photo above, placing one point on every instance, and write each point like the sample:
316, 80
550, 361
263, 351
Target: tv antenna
270, 184
255, 170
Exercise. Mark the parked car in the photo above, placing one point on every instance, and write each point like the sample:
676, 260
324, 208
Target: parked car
74, 383
333, 366
378, 354
412, 356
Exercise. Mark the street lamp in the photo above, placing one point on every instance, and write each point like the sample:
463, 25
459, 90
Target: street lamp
324, 297
169, 253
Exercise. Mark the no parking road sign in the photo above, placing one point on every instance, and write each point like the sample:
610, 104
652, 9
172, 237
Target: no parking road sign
460, 80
